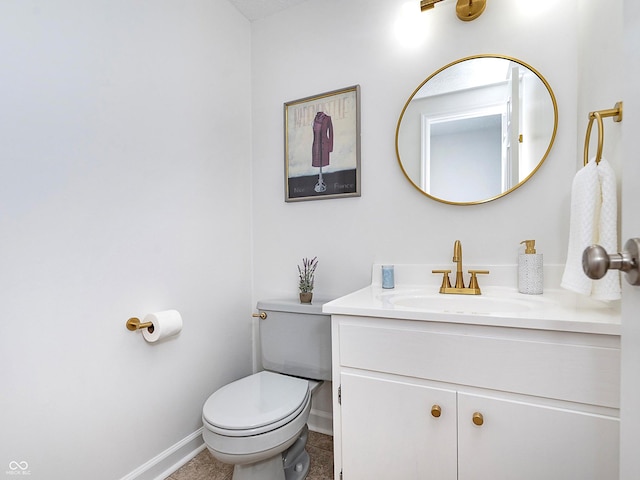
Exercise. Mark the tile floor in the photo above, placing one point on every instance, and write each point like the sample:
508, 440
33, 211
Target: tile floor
204, 467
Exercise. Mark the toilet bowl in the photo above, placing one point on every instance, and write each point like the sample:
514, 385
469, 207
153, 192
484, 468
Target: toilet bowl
259, 423
251, 422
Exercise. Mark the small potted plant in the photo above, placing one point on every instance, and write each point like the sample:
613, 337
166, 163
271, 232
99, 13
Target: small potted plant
306, 274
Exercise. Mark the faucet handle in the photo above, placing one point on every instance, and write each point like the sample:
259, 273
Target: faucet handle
445, 279
473, 283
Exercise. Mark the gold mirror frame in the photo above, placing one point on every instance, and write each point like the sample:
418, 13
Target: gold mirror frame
533, 171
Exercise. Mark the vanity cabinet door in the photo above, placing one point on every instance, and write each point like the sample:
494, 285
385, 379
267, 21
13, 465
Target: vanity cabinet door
391, 429
533, 442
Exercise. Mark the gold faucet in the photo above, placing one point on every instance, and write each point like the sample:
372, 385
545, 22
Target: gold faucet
457, 257
459, 288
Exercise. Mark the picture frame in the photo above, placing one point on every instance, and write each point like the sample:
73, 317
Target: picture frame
322, 146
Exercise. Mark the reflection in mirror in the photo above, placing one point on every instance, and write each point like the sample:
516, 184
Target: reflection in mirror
476, 129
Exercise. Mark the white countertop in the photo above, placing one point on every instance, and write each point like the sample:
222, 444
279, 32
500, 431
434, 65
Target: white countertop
555, 309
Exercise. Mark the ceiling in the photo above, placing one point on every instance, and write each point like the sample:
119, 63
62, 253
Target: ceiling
257, 9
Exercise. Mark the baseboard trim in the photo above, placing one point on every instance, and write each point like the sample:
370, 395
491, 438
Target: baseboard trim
321, 422
167, 462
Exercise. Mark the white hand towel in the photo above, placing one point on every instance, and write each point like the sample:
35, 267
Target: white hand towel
585, 191
608, 288
593, 220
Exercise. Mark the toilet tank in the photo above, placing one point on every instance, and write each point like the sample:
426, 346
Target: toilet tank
295, 338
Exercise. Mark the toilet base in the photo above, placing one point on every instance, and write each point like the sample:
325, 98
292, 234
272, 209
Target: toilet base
295, 459
270, 469
300, 469
292, 464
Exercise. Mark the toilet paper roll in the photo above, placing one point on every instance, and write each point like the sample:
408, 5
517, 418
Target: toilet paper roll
165, 324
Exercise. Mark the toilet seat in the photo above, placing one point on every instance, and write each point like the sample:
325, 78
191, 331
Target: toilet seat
255, 404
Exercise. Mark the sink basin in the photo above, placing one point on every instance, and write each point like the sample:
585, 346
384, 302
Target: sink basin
471, 304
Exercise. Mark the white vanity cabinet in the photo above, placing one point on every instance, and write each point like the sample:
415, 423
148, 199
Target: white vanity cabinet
419, 399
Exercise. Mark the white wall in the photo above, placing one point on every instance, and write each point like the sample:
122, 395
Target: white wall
600, 73
124, 189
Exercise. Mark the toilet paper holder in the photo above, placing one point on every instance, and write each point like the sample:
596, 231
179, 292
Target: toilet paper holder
134, 324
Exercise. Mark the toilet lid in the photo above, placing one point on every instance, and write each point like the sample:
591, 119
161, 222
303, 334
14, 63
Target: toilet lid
255, 401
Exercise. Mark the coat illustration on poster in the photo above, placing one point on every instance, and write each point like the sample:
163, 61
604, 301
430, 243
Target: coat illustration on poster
322, 146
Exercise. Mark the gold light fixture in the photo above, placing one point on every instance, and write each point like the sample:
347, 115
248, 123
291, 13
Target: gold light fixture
466, 10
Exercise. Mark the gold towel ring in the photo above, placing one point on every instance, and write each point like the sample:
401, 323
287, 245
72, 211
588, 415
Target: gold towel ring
616, 113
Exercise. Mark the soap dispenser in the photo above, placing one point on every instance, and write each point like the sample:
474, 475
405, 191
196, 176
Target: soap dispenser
530, 273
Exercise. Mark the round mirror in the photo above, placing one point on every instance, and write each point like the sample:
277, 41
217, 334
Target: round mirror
476, 129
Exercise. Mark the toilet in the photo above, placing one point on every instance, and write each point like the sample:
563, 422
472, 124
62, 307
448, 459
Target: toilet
259, 423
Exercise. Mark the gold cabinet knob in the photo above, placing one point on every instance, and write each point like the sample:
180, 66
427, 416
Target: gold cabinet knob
261, 315
436, 411
477, 418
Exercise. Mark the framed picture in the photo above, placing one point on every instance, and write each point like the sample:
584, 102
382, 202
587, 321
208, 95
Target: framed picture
322, 146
